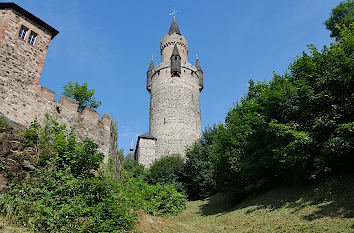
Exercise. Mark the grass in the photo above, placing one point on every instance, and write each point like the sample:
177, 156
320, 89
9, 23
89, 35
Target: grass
5, 227
327, 207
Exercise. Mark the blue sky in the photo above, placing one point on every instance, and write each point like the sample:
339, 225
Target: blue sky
109, 45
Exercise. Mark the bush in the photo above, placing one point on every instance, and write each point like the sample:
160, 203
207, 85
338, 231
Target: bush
167, 170
155, 199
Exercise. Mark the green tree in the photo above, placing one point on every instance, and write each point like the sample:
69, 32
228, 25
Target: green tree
81, 94
341, 15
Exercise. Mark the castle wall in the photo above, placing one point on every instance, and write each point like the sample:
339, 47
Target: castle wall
175, 118
22, 104
146, 151
22, 99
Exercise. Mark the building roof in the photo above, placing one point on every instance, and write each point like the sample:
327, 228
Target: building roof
174, 28
11, 5
130, 156
175, 51
147, 136
197, 65
151, 66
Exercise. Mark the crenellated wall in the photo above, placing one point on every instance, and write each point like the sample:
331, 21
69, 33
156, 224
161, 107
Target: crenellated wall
22, 104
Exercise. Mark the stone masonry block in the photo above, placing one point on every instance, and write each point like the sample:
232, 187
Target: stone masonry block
69, 103
90, 113
106, 120
46, 93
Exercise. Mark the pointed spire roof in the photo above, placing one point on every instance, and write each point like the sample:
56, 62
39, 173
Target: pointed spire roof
151, 66
175, 51
197, 65
174, 28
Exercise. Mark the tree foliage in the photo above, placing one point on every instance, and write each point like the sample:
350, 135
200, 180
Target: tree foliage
296, 128
341, 15
81, 94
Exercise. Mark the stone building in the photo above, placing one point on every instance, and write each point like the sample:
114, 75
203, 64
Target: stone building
174, 86
24, 42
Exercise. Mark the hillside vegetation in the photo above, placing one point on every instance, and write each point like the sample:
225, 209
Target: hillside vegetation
328, 207
52, 182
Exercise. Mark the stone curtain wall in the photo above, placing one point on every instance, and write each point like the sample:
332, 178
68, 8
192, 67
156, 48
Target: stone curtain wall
22, 104
145, 152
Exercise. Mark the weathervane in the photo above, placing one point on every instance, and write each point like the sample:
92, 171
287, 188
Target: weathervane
173, 13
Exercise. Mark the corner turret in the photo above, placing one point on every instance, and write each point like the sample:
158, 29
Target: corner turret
200, 74
175, 62
149, 74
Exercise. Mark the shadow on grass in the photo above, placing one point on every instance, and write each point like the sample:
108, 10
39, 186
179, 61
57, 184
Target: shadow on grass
331, 198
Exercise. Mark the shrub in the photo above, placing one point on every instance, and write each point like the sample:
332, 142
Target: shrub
155, 199
167, 170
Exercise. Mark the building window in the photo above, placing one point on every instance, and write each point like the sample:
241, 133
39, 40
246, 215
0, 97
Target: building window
23, 32
32, 38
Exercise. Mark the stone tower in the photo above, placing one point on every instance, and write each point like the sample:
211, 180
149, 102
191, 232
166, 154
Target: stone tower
174, 86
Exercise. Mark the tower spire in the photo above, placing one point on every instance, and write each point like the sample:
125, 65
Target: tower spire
151, 66
174, 28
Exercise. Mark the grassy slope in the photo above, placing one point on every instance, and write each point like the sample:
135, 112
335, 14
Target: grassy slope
328, 207
5, 227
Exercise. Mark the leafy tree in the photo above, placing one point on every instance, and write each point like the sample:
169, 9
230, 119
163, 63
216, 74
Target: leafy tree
81, 94
198, 176
296, 128
341, 15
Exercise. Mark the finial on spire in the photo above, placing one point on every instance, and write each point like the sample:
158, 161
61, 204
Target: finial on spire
152, 57
131, 146
196, 56
173, 13
174, 28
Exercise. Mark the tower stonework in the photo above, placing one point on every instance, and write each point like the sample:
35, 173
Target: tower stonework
174, 86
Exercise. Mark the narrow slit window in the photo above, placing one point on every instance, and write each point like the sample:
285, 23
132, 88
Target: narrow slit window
32, 38
23, 32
